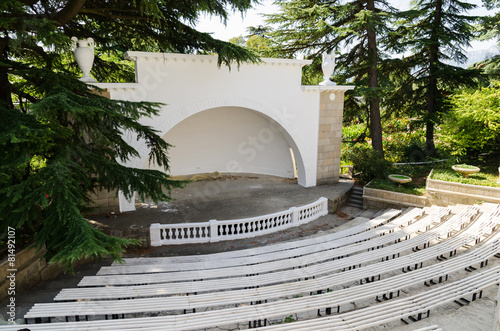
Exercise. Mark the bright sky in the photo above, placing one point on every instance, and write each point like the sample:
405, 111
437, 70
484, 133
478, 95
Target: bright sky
237, 25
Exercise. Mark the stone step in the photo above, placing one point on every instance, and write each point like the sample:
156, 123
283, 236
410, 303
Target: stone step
356, 198
355, 205
367, 213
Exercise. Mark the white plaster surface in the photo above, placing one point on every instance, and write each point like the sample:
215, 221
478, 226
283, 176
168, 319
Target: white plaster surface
228, 139
192, 84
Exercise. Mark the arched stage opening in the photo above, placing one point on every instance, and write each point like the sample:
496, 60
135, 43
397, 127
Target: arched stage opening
231, 140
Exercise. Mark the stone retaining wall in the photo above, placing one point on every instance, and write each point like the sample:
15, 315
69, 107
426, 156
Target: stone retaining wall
381, 199
31, 268
438, 192
338, 202
442, 193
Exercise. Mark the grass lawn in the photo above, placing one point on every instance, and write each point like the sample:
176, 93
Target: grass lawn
416, 187
488, 176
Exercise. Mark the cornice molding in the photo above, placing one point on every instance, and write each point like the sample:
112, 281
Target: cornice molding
177, 57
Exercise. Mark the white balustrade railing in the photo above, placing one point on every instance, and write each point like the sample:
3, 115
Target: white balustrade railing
213, 230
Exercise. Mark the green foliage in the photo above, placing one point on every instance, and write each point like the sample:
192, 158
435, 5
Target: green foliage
466, 166
65, 148
436, 32
257, 41
60, 141
473, 125
311, 28
369, 162
480, 178
353, 132
490, 67
388, 185
489, 27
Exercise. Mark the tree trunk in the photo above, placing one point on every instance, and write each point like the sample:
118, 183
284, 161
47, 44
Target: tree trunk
5, 90
374, 100
432, 86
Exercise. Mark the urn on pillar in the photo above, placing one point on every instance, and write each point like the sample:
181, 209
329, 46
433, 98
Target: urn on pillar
328, 66
84, 55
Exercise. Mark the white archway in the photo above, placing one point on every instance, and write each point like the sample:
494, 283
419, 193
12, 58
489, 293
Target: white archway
275, 119
230, 139
308, 118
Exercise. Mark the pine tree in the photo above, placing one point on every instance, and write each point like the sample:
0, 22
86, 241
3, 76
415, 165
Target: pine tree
60, 140
435, 33
311, 27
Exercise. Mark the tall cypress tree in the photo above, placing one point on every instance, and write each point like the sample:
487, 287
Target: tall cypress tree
59, 140
435, 33
312, 27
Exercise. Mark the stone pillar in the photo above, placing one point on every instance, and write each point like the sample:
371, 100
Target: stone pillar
330, 135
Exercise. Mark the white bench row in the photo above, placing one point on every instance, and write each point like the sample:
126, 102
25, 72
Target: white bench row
385, 217
336, 298
418, 305
341, 249
322, 245
258, 281
358, 319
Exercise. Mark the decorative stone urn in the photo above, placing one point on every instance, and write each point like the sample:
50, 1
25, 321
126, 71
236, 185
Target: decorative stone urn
84, 55
328, 66
401, 179
465, 170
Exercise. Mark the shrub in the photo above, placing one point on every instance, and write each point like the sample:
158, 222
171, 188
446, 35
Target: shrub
353, 132
369, 162
473, 124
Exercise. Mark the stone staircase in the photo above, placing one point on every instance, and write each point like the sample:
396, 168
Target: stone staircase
356, 198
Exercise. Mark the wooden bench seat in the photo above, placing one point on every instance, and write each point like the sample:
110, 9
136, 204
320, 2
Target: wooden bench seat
337, 250
416, 305
311, 285
322, 244
331, 299
374, 315
250, 281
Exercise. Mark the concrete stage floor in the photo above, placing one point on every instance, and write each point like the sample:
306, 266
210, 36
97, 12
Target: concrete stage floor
223, 198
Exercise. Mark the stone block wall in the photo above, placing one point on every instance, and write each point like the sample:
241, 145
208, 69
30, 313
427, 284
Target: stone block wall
381, 199
105, 202
330, 136
442, 193
31, 268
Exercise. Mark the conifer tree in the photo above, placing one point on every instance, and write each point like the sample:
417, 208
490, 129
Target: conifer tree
434, 33
355, 28
59, 140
